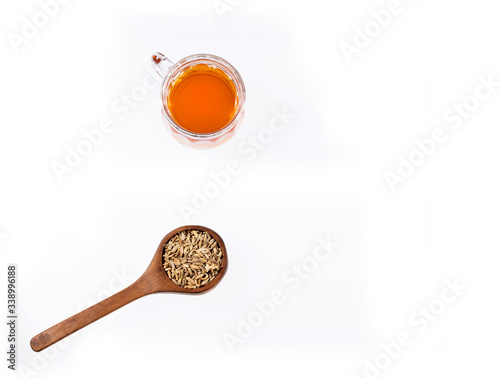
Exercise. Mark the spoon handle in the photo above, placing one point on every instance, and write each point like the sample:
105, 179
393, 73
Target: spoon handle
74, 323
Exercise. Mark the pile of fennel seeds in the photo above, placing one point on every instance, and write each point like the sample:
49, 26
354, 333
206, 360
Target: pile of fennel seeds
192, 259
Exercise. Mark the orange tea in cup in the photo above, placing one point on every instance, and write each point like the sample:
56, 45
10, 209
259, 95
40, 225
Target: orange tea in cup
202, 99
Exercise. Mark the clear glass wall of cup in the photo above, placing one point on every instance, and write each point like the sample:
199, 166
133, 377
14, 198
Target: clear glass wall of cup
170, 73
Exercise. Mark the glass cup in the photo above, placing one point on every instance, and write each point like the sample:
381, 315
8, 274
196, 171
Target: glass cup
171, 72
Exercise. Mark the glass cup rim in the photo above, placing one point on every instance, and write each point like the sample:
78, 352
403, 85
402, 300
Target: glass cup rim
228, 69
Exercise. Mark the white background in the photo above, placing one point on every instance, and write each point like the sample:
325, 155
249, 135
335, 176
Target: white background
322, 176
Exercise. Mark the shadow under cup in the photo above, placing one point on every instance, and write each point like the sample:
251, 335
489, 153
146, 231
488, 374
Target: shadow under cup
220, 71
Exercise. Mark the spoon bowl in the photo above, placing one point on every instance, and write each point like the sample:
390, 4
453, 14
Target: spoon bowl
153, 280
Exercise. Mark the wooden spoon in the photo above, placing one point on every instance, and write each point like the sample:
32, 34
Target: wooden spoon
153, 280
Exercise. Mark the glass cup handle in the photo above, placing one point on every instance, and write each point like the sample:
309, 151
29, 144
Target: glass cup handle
161, 64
